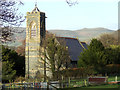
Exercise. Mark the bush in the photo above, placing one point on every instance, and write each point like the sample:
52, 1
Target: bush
77, 72
113, 69
20, 79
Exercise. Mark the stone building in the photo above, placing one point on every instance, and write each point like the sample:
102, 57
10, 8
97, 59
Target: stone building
35, 32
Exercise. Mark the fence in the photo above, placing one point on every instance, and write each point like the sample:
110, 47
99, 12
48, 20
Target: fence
51, 85
34, 85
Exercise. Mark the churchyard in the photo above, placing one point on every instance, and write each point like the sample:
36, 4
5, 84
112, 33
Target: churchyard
70, 84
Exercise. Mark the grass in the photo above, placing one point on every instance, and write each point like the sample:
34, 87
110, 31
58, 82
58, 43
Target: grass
80, 83
104, 86
98, 87
77, 83
112, 78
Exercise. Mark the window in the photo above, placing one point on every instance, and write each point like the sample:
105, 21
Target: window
33, 29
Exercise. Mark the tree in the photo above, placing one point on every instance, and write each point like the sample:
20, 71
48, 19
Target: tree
9, 17
7, 65
21, 49
72, 2
108, 40
93, 57
7, 72
113, 60
8, 14
13, 64
113, 54
55, 55
96, 45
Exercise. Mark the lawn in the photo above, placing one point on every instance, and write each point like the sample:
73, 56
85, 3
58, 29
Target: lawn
112, 78
99, 87
79, 84
104, 86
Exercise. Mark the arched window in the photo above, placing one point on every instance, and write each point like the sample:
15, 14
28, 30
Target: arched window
33, 29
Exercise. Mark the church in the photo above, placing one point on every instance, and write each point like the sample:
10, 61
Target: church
35, 32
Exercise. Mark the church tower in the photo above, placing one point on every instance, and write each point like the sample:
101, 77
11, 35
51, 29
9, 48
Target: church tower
35, 32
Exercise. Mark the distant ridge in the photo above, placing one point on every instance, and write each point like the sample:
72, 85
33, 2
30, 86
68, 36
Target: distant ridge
84, 34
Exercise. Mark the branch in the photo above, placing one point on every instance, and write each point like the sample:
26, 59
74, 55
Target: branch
71, 2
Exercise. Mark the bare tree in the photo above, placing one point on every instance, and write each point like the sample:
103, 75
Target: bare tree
9, 17
21, 49
109, 39
72, 2
9, 13
55, 56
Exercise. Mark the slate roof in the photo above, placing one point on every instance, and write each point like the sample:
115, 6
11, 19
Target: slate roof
75, 47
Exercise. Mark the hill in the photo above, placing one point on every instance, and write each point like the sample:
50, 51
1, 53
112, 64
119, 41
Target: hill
84, 34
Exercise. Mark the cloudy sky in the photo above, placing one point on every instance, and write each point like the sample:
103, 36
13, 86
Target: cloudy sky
85, 14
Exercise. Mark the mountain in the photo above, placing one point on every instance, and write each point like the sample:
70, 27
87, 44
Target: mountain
85, 34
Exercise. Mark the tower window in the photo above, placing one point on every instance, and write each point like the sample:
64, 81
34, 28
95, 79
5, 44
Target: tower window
33, 29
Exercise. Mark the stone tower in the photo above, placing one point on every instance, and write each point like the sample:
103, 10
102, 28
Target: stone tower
35, 32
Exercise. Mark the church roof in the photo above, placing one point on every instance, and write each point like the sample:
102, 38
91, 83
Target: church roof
75, 47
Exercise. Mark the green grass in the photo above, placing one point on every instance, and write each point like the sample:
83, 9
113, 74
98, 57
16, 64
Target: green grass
80, 83
98, 87
104, 86
112, 78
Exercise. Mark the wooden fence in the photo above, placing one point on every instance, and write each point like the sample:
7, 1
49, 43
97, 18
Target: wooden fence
33, 85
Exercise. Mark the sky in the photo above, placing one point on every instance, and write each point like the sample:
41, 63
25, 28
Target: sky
85, 14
